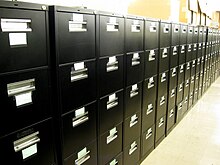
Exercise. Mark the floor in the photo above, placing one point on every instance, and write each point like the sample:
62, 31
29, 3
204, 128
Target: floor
196, 139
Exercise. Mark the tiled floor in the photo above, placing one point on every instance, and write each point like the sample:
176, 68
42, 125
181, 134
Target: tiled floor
196, 139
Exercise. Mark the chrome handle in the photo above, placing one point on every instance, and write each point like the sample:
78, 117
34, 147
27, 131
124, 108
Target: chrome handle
112, 66
174, 73
134, 120
16, 25
80, 119
135, 28
133, 148
149, 133
77, 26
150, 109
162, 101
113, 135
135, 61
112, 103
164, 54
171, 113
172, 93
150, 83
133, 93
82, 159
163, 77
114, 162
80, 74
112, 27
161, 122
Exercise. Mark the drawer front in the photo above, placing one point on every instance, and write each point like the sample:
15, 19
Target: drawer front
172, 98
185, 104
161, 106
132, 128
21, 31
78, 128
195, 51
147, 140
110, 144
76, 44
175, 34
164, 59
151, 63
135, 67
118, 160
134, 35
110, 75
198, 65
179, 112
111, 31
174, 56
132, 152
190, 35
86, 155
151, 34
181, 72
200, 49
170, 118
189, 49
25, 98
78, 86
180, 90
173, 77
186, 88
109, 106
163, 83
187, 70
192, 84
148, 115
193, 68
160, 128
182, 54
133, 99
165, 34
183, 34
30, 146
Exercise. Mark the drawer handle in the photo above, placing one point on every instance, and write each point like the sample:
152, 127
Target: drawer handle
112, 27
133, 148
164, 54
152, 55
174, 73
135, 59
180, 107
182, 49
77, 26
135, 28
27, 141
80, 119
171, 113
161, 122
184, 31
176, 30
175, 52
173, 93
113, 134
16, 25
112, 65
150, 109
180, 88
82, 158
134, 120
150, 83
166, 29
80, 74
189, 48
112, 103
114, 162
149, 133
153, 29
133, 93
163, 77
162, 101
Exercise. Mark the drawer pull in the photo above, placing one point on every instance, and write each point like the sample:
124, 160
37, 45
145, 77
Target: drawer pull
133, 148
189, 48
150, 109
174, 72
113, 162
162, 100
149, 133
163, 77
80, 74
172, 93
134, 91
83, 156
112, 102
171, 113
112, 65
150, 83
164, 54
161, 122
113, 134
135, 59
152, 55
166, 29
80, 117
112, 25
183, 49
136, 27
134, 120
153, 28
16, 25
175, 51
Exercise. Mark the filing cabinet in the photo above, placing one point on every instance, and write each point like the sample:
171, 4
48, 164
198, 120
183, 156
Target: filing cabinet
110, 144
147, 141
151, 63
181, 72
132, 152
110, 74
172, 98
111, 33
134, 34
133, 99
151, 34
170, 119
85, 155
173, 77
176, 30
134, 67
160, 130
149, 90
179, 112
77, 84
182, 54
174, 56
165, 34
161, 106
179, 95
193, 68
148, 115
183, 34
111, 105
79, 128
26, 97
132, 129
187, 70
117, 160
164, 57
32, 145
163, 83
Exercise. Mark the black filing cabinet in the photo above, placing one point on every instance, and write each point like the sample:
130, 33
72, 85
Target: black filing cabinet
26, 134
151, 63
165, 34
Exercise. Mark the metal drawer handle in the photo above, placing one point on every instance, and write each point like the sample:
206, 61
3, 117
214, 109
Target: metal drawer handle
164, 54
77, 26
112, 27
189, 48
152, 55
162, 101
150, 109
26, 141
134, 120
161, 122
176, 29
82, 158
114, 162
163, 77
166, 29
112, 65
180, 107
113, 134
149, 133
16, 25
135, 28
112, 103
80, 119
135, 59
150, 83
174, 73
80, 74
171, 113
175, 52
153, 29
133, 93
184, 31
173, 93
133, 148
180, 88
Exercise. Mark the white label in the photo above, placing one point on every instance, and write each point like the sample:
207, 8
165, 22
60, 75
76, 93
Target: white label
136, 55
112, 59
27, 152
134, 87
134, 117
23, 98
78, 66
80, 111
165, 50
78, 17
82, 153
151, 79
17, 39
112, 97
112, 20
112, 131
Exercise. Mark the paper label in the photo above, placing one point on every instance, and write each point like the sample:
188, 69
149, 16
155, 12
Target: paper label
134, 117
78, 17
23, 98
149, 131
134, 87
17, 39
82, 153
112, 131
27, 152
78, 66
80, 111
112, 97
112, 20
112, 59
136, 55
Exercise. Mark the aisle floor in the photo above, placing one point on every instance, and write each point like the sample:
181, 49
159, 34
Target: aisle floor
196, 139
